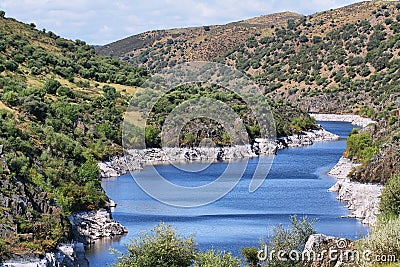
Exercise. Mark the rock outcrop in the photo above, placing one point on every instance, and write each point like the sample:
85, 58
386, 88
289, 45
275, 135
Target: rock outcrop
90, 226
362, 199
326, 251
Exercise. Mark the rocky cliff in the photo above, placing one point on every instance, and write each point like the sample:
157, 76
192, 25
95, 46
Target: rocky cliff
30, 219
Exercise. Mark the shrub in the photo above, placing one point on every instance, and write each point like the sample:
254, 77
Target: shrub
390, 199
11, 65
51, 86
360, 147
211, 258
251, 256
162, 247
382, 241
286, 240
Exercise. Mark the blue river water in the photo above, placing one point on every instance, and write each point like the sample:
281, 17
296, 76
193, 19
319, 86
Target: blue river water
296, 184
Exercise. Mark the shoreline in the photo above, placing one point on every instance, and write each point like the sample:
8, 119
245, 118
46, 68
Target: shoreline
362, 199
139, 158
135, 160
354, 119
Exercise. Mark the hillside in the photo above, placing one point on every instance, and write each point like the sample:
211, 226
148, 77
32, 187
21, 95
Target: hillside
61, 108
339, 61
158, 49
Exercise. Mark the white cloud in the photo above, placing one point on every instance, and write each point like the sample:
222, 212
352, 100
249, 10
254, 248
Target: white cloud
101, 22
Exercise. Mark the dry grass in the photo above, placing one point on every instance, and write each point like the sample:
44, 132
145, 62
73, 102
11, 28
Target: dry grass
135, 118
3, 106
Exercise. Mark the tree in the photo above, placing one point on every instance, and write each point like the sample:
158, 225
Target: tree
35, 105
89, 171
251, 256
390, 200
152, 136
162, 246
2, 14
51, 86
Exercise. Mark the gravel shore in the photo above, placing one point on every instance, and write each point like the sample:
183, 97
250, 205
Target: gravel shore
362, 199
354, 119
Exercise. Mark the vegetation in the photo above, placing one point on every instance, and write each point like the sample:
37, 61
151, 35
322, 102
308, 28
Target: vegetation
161, 246
211, 258
390, 199
285, 240
360, 146
292, 238
383, 242
61, 112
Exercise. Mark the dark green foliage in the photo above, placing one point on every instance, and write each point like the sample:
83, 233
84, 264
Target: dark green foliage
152, 136
35, 106
11, 65
300, 124
51, 86
161, 246
390, 199
251, 256
110, 93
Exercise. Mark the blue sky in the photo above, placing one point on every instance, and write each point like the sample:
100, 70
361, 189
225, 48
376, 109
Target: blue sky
103, 21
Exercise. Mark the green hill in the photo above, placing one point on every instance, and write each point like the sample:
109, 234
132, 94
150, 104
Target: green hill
61, 108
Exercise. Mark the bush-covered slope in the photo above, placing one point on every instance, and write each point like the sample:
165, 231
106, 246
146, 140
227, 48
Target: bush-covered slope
159, 49
61, 108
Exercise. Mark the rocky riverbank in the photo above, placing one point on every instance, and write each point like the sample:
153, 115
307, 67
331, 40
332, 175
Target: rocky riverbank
136, 159
71, 255
306, 139
362, 199
354, 119
90, 226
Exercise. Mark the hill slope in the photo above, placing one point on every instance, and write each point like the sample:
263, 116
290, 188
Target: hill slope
61, 108
197, 43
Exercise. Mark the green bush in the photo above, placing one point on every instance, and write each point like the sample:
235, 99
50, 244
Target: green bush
212, 258
251, 256
162, 247
51, 86
286, 240
382, 241
360, 147
390, 199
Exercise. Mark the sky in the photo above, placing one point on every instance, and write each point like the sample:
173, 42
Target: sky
99, 22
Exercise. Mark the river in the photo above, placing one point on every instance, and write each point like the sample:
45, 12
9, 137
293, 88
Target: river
296, 184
